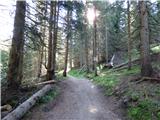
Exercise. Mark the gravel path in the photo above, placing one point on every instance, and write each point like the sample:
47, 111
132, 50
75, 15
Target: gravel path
79, 100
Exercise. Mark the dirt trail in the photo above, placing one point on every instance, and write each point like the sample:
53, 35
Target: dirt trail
79, 100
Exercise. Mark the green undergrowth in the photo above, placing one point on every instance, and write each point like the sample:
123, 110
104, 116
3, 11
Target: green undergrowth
51, 95
144, 101
135, 70
108, 80
77, 73
59, 77
146, 109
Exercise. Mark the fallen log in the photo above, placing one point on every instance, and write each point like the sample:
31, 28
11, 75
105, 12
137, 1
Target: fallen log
148, 78
137, 61
4, 113
126, 63
25, 106
26, 87
108, 65
46, 82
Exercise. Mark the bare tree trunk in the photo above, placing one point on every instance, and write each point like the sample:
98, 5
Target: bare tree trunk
146, 67
40, 61
69, 15
66, 59
86, 53
95, 44
81, 56
86, 41
129, 36
45, 57
15, 68
106, 38
42, 49
70, 54
56, 15
106, 45
49, 66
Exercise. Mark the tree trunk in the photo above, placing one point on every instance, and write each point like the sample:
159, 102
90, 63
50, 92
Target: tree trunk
15, 67
86, 41
95, 45
69, 15
106, 45
49, 66
42, 49
70, 54
86, 53
40, 61
56, 15
24, 107
129, 36
106, 38
146, 67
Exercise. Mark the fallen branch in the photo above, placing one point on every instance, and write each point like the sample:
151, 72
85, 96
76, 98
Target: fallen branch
120, 68
25, 106
46, 82
125, 64
37, 84
136, 61
148, 78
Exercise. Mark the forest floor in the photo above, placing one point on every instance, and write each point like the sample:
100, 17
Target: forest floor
79, 99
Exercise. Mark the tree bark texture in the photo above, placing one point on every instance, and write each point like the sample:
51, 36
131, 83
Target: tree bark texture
129, 35
42, 49
86, 41
56, 16
15, 68
146, 67
49, 66
69, 15
95, 44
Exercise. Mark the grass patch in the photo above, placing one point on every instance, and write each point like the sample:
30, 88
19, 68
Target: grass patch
107, 81
59, 76
77, 73
51, 95
145, 110
134, 70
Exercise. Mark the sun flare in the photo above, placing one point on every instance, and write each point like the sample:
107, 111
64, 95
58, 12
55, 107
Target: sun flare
90, 15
